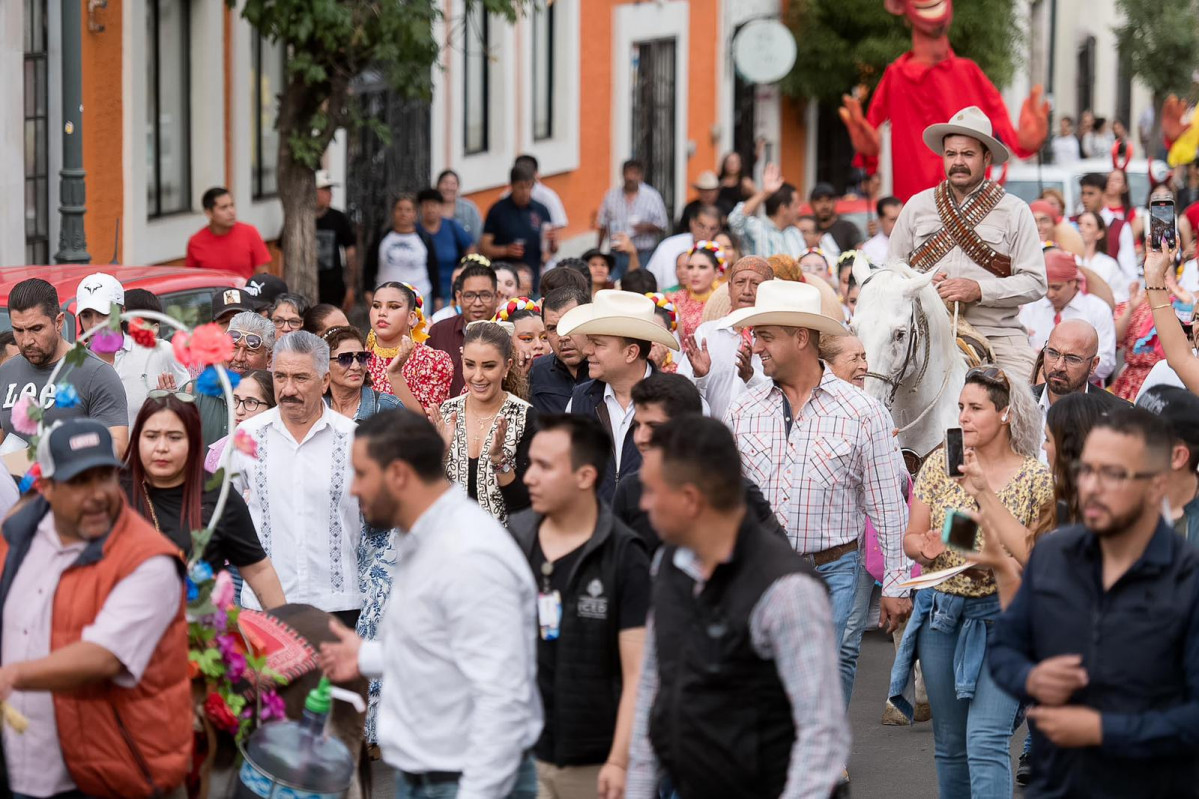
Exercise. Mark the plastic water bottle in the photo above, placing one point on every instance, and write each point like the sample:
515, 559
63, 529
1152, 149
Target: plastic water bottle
296, 759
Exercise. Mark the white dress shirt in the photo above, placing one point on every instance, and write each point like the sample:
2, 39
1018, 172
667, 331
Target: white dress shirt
721, 385
1109, 269
299, 498
876, 248
1037, 317
457, 651
622, 418
139, 368
661, 264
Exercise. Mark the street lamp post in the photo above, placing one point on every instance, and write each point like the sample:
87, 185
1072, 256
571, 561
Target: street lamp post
72, 190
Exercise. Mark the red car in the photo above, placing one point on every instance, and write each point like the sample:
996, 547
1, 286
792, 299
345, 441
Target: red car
186, 294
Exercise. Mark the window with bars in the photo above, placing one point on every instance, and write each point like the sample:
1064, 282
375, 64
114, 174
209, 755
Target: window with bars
268, 77
37, 144
543, 72
168, 107
476, 114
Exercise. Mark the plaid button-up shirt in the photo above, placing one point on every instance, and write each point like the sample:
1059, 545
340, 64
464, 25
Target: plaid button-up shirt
759, 236
838, 466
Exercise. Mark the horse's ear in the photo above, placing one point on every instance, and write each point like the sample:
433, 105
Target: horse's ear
914, 285
861, 268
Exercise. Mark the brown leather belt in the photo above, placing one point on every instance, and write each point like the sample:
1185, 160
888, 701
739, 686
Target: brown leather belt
827, 556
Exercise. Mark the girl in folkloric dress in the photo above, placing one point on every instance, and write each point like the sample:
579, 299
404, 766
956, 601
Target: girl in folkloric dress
401, 363
705, 265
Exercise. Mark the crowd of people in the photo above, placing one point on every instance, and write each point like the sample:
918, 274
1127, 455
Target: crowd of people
616, 525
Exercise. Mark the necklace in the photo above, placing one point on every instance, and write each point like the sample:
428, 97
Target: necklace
150, 505
372, 344
482, 425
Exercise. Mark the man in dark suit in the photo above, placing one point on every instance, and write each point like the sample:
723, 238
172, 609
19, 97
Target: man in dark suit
1071, 357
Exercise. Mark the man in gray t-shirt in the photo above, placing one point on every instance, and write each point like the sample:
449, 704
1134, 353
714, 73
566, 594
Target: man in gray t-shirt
37, 327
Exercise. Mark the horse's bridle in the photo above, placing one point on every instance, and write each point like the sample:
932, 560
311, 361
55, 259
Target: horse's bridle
917, 330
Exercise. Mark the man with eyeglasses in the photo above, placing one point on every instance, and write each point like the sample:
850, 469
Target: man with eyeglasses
253, 340
1066, 301
1071, 357
1180, 408
1102, 637
477, 298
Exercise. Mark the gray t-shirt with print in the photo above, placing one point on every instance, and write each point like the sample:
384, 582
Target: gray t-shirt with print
101, 393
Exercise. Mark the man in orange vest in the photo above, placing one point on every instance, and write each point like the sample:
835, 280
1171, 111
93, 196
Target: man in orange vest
93, 640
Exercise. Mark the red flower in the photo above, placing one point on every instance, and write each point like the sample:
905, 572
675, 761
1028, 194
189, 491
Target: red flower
219, 713
206, 346
142, 335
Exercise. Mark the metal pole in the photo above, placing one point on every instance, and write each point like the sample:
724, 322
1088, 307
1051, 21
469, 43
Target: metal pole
72, 192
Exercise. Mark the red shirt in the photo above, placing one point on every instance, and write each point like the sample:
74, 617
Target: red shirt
1192, 215
240, 250
914, 95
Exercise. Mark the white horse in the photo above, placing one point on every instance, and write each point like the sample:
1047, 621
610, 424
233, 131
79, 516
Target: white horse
916, 368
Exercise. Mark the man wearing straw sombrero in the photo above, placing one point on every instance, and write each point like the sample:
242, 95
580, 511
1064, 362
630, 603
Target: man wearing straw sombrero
615, 332
981, 242
822, 452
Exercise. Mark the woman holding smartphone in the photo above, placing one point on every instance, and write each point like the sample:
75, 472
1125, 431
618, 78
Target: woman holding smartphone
973, 718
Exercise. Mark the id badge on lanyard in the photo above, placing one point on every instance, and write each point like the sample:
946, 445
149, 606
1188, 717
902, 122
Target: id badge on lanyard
549, 606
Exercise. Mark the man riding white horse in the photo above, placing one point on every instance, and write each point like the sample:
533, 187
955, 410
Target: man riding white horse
980, 242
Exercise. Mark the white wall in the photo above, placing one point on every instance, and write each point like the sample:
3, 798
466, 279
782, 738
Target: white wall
12, 139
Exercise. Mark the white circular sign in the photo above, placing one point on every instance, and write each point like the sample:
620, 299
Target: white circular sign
764, 51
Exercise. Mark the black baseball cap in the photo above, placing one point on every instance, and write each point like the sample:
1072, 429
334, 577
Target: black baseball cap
73, 447
263, 288
231, 300
823, 190
1177, 406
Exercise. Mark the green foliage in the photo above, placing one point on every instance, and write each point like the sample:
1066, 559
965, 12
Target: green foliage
77, 355
1160, 39
842, 43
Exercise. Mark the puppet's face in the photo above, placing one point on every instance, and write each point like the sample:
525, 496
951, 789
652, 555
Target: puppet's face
931, 17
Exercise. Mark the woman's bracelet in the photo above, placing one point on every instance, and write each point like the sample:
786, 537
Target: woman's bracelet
1157, 288
1159, 307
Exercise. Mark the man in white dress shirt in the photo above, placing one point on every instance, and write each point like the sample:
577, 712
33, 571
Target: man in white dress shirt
460, 708
1065, 301
299, 484
703, 227
888, 209
719, 359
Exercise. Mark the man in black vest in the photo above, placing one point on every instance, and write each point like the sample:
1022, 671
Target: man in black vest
553, 378
615, 332
657, 399
738, 693
593, 580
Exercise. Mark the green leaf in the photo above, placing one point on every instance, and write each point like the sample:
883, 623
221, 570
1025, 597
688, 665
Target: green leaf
214, 482
77, 355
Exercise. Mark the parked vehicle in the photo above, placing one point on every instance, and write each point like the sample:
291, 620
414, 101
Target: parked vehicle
1027, 180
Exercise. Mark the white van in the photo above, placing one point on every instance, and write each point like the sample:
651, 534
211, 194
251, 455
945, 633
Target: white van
1026, 180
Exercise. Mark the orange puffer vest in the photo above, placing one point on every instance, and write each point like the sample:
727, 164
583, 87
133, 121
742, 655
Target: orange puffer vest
117, 742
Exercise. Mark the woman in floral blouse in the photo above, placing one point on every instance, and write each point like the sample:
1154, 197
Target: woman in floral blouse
400, 362
705, 265
972, 717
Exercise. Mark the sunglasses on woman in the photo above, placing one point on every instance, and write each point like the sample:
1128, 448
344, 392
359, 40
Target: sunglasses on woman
989, 374
346, 358
163, 393
250, 341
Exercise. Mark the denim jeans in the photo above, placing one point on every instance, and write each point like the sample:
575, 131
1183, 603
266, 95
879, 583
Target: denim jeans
971, 737
841, 577
525, 787
859, 619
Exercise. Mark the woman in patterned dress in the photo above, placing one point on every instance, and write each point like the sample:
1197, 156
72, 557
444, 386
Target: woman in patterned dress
973, 718
705, 265
400, 362
666, 315
488, 429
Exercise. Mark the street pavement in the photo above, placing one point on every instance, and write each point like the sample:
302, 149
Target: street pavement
886, 762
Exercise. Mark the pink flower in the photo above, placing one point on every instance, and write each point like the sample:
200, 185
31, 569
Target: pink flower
22, 421
235, 666
105, 340
222, 591
273, 706
206, 346
245, 444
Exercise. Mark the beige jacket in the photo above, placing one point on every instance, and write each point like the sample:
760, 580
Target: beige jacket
1009, 230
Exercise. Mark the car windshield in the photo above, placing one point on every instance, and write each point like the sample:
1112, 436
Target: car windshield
1029, 190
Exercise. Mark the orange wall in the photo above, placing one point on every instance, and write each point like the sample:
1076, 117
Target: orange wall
103, 131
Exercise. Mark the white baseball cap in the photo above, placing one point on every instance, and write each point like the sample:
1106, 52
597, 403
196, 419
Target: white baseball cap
324, 180
99, 292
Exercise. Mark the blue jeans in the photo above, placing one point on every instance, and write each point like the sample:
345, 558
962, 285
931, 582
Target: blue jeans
859, 618
971, 737
841, 577
525, 787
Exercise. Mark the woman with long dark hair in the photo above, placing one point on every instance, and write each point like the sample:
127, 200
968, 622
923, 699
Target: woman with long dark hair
1067, 424
164, 479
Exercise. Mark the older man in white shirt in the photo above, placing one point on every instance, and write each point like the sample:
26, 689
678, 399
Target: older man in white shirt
299, 484
718, 358
1065, 301
460, 707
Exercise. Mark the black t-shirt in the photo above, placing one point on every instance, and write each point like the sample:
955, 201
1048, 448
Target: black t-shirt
845, 233
234, 540
333, 231
632, 598
508, 222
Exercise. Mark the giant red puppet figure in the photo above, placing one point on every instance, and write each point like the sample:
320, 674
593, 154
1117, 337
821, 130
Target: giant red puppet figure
928, 85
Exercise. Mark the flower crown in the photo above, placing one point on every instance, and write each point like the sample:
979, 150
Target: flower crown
418, 332
475, 258
848, 255
514, 305
661, 301
713, 248
811, 251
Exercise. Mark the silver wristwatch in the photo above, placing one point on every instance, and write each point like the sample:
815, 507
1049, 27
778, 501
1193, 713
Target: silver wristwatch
504, 467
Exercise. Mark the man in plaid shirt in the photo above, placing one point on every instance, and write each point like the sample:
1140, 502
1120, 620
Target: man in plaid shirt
822, 452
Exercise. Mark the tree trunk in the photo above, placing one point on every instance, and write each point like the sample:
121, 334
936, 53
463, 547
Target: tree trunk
297, 192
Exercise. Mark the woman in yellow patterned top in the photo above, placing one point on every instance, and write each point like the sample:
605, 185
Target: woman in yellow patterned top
973, 718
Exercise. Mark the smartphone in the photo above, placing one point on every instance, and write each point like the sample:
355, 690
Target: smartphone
959, 531
1161, 223
955, 452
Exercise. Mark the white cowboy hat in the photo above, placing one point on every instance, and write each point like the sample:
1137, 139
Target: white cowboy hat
707, 181
787, 304
617, 313
972, 122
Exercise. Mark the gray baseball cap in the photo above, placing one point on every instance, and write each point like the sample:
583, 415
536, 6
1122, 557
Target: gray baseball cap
72, 447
